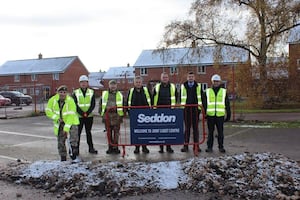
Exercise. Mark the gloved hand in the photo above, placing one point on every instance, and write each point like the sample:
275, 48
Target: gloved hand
85, 115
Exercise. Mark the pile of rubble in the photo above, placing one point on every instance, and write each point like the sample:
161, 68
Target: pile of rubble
245, 176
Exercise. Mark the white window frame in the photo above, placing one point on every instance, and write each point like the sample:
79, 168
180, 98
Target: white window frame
173, 70
143, 71
201, 69
55, 76
33, 77
130, 80
17, 78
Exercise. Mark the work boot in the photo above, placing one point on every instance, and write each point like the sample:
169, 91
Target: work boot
161, 149
109, 150
137, 150
145, 149
185, 148
73, 157
169, 149
93, 151
222, 150
63, 158
208, 150
116, 150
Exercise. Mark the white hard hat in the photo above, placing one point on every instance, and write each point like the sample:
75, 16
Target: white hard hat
215, 77
83, 78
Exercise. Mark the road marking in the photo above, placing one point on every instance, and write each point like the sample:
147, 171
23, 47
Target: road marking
26, 134
8, 158
238, 133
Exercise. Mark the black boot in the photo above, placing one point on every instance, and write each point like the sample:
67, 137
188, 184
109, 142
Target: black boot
169, 149
145, 149
63, 158
137, 150
74, 152
161, 149
93, 151
116, 150
185, 148
109, 150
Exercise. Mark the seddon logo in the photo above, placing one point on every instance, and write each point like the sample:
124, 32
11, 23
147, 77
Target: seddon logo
142, 118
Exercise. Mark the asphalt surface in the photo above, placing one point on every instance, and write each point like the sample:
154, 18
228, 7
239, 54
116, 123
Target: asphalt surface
32, 138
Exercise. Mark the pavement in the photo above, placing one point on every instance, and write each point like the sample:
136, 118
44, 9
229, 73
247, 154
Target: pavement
31, 139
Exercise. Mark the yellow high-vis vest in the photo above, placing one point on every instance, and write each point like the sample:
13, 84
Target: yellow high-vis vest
183, 96
215, 103
119, 102
146, 92
84, 102
69, 113
172, 92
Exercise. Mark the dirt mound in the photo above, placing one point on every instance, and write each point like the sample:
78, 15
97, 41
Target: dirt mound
244, 176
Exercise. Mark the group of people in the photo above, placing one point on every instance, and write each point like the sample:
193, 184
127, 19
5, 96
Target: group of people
71, 114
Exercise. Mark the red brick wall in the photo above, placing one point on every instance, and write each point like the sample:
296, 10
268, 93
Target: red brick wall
69, 77
294, 54
154, 74
294, 72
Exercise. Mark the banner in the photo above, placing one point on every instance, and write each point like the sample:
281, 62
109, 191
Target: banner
156, 126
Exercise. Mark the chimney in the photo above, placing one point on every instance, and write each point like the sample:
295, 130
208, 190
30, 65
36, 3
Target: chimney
40, 56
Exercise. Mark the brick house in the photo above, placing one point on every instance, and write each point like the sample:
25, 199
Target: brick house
294, 58
40, 77
203, 61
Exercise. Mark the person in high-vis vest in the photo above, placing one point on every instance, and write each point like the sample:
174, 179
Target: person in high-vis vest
84, 98
111, 110
190, 98
139, 96
61, 108
216, 105
164, 93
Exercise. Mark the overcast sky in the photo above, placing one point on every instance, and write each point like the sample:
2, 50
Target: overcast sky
103, 33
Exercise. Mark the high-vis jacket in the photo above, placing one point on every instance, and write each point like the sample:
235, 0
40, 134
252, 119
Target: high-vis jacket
215, 103
84, 102
172, 92
146, 92
183, 96
119, 102
69, 114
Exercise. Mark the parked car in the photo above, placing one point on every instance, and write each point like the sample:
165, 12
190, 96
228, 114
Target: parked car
4, 101
17, 97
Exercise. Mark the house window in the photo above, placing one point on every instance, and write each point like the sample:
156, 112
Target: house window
143, 71
201, 69
204, 86
56, 76
17, 78
130, 80
173, 70
298, 64
33, 77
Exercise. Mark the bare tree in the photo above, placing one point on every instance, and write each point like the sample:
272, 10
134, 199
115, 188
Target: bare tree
257, 26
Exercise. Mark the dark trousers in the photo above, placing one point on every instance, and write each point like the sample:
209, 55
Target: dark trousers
87, 123
191, 119
211, 123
